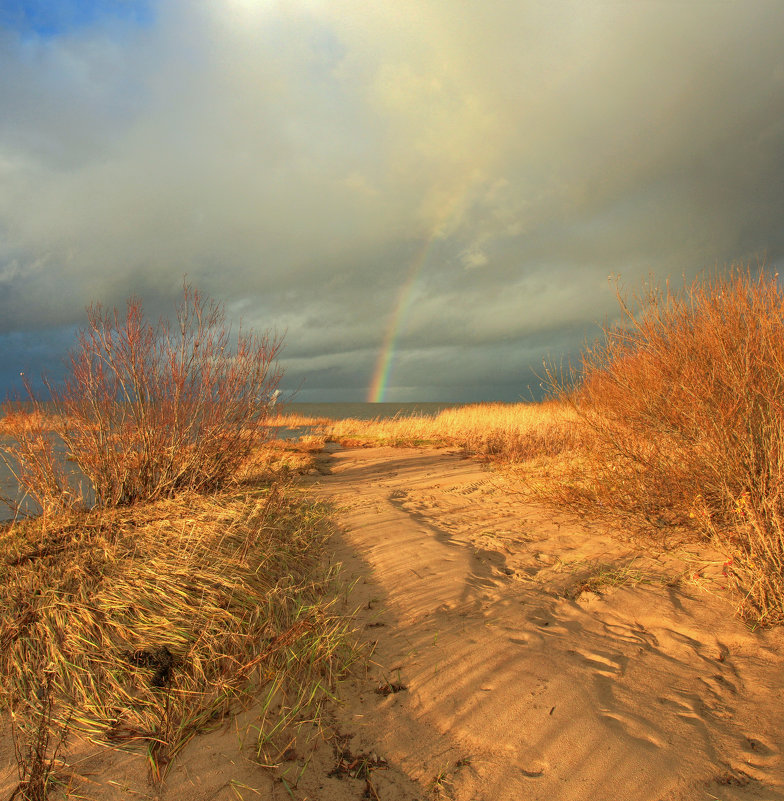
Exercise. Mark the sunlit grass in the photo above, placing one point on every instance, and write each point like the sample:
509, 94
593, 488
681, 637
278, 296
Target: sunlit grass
151, 624
508, 431
192, 579
293, 420
682, 416
14, 422
672, 421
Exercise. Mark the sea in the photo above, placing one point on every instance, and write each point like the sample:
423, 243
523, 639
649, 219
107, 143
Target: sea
335, 411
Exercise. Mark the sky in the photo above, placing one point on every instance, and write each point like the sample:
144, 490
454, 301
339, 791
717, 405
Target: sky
427, 198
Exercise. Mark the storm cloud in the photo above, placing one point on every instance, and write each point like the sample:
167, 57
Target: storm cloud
469, 173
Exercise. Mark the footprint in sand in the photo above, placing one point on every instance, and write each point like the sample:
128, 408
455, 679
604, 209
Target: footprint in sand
648, 698
759, 757
759, 748
691, 709
634, 635
632, 726
716, 685
547, 623
610, 665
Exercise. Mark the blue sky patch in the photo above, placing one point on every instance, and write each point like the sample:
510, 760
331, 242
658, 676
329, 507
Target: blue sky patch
50, 18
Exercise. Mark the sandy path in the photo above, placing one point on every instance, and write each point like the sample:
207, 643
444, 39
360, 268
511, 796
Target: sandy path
518, 685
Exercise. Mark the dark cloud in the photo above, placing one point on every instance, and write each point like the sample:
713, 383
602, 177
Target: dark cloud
312, 163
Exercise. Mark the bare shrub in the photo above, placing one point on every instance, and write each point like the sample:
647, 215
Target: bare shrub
146, 410
686, 407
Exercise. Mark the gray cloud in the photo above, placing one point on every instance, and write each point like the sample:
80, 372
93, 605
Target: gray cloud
296, 159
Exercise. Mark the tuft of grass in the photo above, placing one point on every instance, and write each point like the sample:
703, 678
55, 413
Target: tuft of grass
603, 577
293, 420
37, 740
281, 458
157, 622
16, 419
442, 784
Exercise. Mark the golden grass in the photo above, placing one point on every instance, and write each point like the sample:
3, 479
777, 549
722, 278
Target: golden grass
516, 432
292, 420
282, 458
599, 578
153, 623
13, 423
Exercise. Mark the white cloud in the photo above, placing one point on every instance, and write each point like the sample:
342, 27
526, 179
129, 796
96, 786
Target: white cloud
472, 259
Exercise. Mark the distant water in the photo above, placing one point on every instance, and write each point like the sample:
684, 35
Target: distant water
334, 411
9, 489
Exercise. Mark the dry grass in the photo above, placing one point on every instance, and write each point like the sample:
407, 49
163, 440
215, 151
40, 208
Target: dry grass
599, 578
37, 743
152, 624
291, 420
504, 431
196, 583
682, 411
15, 421
282, 458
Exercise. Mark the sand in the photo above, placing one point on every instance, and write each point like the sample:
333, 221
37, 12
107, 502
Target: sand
518, 653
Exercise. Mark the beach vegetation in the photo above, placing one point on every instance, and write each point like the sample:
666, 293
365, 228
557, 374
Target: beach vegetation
146, 410
189, 581
672, 424
683, 408
148, 625
509, 432
599, 578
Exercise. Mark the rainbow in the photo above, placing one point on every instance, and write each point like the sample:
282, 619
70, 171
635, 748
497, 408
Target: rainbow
378, 384
450, 211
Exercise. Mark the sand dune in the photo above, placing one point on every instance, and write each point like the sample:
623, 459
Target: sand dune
518, 654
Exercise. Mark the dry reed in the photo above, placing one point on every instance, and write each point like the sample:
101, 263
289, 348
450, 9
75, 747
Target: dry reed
16, 420
154, 623
293, 420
